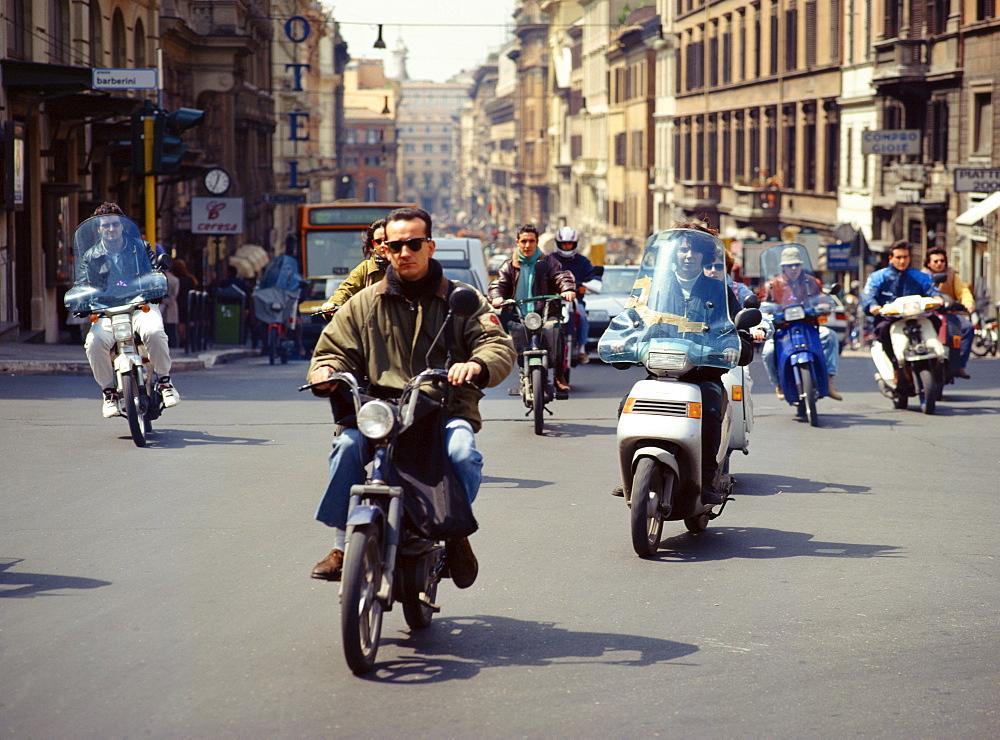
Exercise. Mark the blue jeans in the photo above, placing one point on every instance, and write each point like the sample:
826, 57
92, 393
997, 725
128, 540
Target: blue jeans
831, 352
584, 329
352, 451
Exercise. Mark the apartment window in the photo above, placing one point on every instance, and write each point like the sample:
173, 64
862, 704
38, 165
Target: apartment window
59, 35
712, 151
575, 147
742, 36
727, 55
849, 157
771, 161
409, 149
891, 10
985, 9
758, 43
831, 158
811, 35
699, 155
620, 149
835, 14
18, 18
790, 133
371, 191
140, 45
754, 143
982, 122
688, 146
809, 164
727, 150
713, 57
791, 39
118, 42
938, 133
351, 136
373, 136
428, 148
96, 36
445, 148
774, 39
937, 16
741, 147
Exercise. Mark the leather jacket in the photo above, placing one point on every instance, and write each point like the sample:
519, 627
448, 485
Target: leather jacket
549, 278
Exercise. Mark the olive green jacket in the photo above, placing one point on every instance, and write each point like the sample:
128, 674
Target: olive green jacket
382, 336
365, 274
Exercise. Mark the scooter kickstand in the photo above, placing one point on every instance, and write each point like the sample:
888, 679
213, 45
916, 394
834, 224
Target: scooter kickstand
716, 514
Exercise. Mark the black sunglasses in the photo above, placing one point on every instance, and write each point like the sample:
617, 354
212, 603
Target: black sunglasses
414, 245
717, 266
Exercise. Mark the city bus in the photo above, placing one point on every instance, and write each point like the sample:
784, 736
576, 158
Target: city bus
331, 234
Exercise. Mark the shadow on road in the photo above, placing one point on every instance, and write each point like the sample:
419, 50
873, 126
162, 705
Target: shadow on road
570, 429
458, 648
754, 543
28, 585
178, 438
769, 484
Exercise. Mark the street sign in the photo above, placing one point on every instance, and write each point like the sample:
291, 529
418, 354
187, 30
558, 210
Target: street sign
838, 256
977, 180
891, 143
284, 198
216, 215
123, 79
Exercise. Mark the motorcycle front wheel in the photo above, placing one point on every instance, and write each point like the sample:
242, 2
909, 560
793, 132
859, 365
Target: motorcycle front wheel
360, 607
652, 485
809, 396
927, 389
538, 397
133, 410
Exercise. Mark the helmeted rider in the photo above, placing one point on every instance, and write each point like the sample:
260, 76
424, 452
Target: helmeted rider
567, 255
115, 260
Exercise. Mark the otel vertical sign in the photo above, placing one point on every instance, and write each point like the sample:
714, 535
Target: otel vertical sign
297, 31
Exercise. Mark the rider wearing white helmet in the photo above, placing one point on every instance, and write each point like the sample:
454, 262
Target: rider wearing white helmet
569, 258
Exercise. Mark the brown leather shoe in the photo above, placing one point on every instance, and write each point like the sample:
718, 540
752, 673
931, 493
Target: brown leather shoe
330, 568
562, 386
962, 373
832, 392
584, 358
462, 562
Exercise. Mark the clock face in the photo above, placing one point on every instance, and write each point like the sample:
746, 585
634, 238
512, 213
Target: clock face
217, 181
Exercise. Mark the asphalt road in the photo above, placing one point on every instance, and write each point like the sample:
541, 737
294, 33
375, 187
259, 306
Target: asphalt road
849, 590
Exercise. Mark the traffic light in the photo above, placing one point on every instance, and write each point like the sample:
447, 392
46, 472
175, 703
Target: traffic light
168, 144
137, 128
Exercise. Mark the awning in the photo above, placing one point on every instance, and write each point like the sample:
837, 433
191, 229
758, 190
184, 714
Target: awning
981, 210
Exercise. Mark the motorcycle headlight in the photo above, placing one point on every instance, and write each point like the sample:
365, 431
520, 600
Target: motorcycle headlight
533, 322
667, 361
376, 419
121, 327
795, 313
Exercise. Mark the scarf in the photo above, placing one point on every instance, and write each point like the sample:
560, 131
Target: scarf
412, 290
526, 281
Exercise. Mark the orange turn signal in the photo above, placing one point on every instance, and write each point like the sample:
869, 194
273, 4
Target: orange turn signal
627, 408
694, 410
145, 308
737, 392
821, 319
94, 318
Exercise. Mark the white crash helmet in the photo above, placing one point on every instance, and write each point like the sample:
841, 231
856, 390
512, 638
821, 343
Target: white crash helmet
566, 237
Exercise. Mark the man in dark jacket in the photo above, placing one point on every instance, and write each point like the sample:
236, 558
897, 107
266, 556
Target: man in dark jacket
383, 333
586, 275
530, 273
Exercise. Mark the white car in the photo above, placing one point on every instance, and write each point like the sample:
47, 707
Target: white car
616, 287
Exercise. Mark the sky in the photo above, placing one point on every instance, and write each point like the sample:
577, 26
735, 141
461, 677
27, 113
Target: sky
443, 37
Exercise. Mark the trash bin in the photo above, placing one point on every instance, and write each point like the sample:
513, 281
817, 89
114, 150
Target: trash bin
229, 303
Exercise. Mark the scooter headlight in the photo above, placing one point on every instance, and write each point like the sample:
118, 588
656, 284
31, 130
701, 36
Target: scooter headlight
532, 322
795, 313
121, 327
376, 419
670, 361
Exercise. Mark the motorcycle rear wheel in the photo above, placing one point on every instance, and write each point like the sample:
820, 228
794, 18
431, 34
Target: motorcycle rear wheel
652, 485
927, 389
538, 398
133, 410
418, 577
360, 607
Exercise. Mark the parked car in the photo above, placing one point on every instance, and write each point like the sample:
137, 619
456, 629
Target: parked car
616, 286
462, 259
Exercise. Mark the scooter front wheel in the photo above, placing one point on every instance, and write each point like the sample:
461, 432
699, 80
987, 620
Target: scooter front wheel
652, 485
809, 396
360, 607
927, 391
133, 410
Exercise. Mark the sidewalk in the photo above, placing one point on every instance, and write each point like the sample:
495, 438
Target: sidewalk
22, 358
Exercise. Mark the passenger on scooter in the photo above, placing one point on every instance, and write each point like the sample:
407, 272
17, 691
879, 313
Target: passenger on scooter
112, 263
542, 276
724, 266
794, 285
886, 285
383, 335
369, 272
958, 291
569, 258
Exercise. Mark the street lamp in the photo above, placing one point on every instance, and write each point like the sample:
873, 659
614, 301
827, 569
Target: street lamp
379, 43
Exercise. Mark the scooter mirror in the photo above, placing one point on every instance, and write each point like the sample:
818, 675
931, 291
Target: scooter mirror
834, 288
751, 301
939, 277
463, 302
748, 317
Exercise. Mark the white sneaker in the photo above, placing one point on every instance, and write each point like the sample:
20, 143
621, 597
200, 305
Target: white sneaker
109, 407
170, 395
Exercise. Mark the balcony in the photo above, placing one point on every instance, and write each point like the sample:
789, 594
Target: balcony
756, 203
900, 60
698, 196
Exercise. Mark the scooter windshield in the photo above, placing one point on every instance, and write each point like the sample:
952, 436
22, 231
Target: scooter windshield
111, 266
675, 307
281, 272
789, 280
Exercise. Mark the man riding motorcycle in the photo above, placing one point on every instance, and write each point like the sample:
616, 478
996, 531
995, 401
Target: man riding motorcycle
794, 284
531, 273
886, 285
113, 262
958, 291
584, 273
384, 334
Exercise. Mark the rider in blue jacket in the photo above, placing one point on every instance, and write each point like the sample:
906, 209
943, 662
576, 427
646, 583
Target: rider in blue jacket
888, 284
583, 271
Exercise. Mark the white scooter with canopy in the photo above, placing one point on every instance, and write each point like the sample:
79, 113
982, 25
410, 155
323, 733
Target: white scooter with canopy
117, 294
671, 325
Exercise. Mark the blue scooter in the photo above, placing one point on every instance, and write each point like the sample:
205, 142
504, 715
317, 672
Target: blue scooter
799, 358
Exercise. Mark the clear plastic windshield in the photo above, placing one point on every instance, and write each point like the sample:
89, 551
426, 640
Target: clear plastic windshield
282, 272
111, 266
675, 307
789, 279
